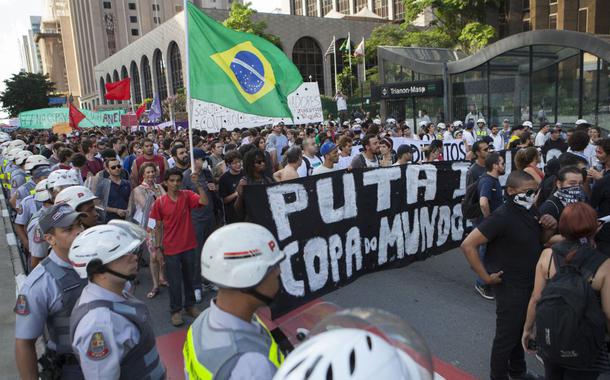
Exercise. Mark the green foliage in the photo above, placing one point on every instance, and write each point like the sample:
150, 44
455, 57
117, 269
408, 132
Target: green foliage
240, 19
475, 36
26, 92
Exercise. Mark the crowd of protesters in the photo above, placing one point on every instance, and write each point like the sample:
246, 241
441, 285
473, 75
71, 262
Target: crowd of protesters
145, 177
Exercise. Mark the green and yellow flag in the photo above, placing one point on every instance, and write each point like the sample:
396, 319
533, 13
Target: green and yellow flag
237, 70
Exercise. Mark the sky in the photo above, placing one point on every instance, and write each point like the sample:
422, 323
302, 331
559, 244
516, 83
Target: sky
15, 22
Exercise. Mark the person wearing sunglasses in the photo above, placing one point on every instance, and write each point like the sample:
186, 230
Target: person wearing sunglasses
514, 234
113, 191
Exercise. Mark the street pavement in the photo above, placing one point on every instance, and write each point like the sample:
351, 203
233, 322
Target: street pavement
436, 297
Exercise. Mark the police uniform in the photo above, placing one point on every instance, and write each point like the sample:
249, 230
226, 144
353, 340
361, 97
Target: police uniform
27, 208
25, 190
10, 168
112, 336
39, 247
18, 178
220, 345
44, 305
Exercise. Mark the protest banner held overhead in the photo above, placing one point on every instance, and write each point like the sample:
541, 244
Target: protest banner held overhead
46, 118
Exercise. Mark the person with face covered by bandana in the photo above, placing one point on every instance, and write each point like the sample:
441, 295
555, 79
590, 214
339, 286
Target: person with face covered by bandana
569, 190
514, 234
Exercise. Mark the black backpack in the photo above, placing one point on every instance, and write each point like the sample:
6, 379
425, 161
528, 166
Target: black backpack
570, 323
471, 209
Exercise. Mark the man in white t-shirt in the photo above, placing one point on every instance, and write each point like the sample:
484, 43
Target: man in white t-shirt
541, 136
468, 136
310, 158
498, 141
329, 151
341, 105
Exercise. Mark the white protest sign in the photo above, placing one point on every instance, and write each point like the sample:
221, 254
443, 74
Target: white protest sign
453, 150
304, 103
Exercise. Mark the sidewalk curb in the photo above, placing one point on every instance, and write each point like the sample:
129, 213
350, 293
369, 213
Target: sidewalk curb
13, 249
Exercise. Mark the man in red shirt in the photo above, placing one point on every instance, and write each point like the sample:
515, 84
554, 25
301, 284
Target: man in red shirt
148, 155
175, 236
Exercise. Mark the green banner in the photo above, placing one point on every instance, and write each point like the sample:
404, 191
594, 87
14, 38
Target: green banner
46, 118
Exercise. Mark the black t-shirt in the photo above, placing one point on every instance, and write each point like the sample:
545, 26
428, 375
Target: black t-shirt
474, 173
554, 147
552, 206
600, 200
227, 184
514, 243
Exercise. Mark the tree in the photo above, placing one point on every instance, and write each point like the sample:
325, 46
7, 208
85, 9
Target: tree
240, 19
458, 23
25, 92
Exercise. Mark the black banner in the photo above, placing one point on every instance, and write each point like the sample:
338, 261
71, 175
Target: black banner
338, 226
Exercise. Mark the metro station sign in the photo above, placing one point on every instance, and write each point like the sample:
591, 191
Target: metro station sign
408, 89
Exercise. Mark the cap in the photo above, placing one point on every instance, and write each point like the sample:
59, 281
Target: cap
358, 120
60, 215
404, 148
581, 121
377, 121
441, 126
390, 121
481, 121
280, 123
199, 154
41, 171
327, 147
506, 121
456, 133
528, 124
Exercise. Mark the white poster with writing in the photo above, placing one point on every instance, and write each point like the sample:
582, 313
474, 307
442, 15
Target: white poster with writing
304, 103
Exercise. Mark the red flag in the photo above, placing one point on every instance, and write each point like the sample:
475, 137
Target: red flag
140, 110
118, 90
75, 117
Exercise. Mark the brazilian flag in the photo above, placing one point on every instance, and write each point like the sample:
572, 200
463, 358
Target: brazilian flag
237, 70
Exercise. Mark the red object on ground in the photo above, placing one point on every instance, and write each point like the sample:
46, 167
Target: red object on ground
120, 90
75, 116
170, 345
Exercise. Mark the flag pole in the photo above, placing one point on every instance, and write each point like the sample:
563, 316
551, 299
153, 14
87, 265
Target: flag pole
335, 61
189, 105
349, 52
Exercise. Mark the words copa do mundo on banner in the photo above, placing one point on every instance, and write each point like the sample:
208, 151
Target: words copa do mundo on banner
338, 226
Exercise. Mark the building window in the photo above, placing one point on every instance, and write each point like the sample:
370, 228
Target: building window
553, 21
327, 6
381, 8
307, 57
160, 75
135, 32
175, 67
526, 5
551, 2
298, 7
399, 10
135, 78
103, 90
361, 4
312, 8
133, 19
157, 20
343, 6
583, 16
107, 5
148, 90
156, 7
132, 6
526, 25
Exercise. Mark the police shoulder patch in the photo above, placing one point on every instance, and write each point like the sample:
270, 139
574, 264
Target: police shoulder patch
38, 235
98, 349
21, 306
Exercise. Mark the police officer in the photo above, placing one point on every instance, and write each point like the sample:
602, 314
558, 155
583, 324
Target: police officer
481, 130
32, 163
227, 340
10, 166
82, 200
38, 246
19, 176
111, 330
46, 299
28, 206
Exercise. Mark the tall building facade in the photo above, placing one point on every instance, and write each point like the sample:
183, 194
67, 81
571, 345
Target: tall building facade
50, 45
102, 28
386, 9
587, 16
30, 55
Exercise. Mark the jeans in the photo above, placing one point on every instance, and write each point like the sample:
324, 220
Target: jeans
482, 251
203, 230
507, 355
179, 270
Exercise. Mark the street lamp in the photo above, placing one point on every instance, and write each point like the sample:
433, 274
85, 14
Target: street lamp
310, 78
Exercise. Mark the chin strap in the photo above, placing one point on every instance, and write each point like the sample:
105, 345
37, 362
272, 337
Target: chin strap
261, 297
130, 277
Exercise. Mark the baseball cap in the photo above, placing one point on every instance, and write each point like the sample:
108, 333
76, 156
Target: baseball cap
199, 154
581, 121
528, 124
506, 121
327, 147
404, 148
60, 215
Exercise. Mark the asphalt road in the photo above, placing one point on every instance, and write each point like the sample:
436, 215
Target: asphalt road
436, 297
